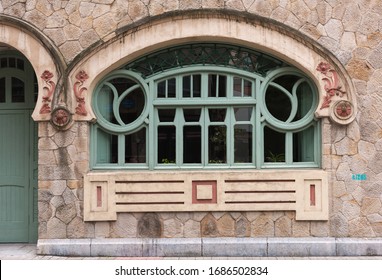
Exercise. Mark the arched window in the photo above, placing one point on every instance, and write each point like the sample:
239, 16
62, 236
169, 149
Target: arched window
205, 106
17, 81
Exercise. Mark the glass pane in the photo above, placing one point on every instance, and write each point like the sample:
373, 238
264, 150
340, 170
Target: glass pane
303, 145
171, 88
217, 86
20, 64
105, 104
107, 147
135, 147
166, 144
192, 115
161, 89
243, 143
217, 148
217, 115
247, 88
305, 100
187, 86
132, 106
196, 83
287, 81
192, 139
18, 91
122, 84
274, 145
237, 86
222, 86
243, 114
4, 62
2, 90
166, 115
278, 103
12, 62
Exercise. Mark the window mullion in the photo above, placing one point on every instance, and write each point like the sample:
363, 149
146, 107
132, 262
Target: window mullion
230, 146
179, 126
152, 127
121, 149
205, 136
259, 128
289, 147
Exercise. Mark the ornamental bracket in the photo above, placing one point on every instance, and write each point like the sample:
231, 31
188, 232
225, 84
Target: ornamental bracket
336, 103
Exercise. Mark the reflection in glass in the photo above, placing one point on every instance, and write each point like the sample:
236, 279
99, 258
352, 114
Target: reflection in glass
135, 147
192, 139
305, 100
217, 115
18, 91
243, 143
217, 140
107, 147
105, 104
274, 145
241, 87
243, 113
303, 148
166, 144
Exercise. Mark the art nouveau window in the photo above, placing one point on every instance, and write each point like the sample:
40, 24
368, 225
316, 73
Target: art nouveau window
205, 106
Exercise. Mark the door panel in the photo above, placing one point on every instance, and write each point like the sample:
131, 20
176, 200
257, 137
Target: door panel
14, 175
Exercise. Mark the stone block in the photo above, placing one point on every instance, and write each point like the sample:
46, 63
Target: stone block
150, 226
191, 229
226, 226
359, 246
301, 247
172, 247
172, 228
234, 247
64, 247
116, 247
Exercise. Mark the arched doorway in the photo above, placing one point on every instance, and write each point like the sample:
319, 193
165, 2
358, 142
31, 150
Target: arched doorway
18, 148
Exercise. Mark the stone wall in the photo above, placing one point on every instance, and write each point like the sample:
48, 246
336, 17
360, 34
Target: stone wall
349, 29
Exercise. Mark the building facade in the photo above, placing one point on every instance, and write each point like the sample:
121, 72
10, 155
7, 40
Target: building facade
155, 127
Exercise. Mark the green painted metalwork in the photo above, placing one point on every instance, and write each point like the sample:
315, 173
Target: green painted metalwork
18, 151
205, 54
206, 108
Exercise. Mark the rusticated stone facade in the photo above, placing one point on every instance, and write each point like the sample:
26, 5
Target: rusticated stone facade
348, 31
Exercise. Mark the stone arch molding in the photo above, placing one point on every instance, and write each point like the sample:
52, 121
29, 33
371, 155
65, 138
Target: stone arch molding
336, 92
44, 58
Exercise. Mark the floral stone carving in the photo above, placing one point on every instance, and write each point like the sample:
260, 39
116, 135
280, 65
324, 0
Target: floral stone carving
78, 89
49, 88
331, 80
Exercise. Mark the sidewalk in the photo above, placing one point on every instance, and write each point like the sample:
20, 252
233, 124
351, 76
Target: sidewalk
28, 252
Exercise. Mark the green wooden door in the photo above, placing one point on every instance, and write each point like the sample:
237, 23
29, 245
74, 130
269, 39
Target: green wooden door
18, 153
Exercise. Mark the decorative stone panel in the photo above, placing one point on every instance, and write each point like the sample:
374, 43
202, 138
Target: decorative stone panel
109, 193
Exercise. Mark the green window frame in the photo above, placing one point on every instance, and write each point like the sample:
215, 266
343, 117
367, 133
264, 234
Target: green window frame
211, 111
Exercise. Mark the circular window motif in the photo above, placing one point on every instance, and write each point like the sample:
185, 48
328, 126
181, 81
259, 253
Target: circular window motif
120, 103
289, 99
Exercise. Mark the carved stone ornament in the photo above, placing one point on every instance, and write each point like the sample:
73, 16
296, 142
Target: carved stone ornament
49, 89
78, 89
332, 86
343, 109
61, 117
